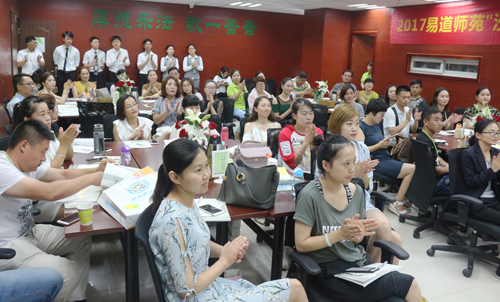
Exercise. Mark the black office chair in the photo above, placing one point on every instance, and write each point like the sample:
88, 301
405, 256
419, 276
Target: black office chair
108, 85
248, 111
5, 102
8, 128
273, 138
456, 211
321, 117
271, 86
242, 125
227, 116
92, 113
421, 189
4, 143
302, 266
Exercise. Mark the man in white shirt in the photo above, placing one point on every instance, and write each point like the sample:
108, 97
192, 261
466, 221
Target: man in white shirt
24, 87
146, 61
116, 58
94, 60
398, 118
66, 59
41, 245
30, 59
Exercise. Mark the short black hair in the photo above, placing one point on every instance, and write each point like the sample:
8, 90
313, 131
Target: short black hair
115, 38
370, 63
209, 81
348, 70
34, 131
303, 75
429, 111
369, 80
172, 68
402, 88
147, 40
190, 100
30, 38
17, 79
375, 106
67, 34
93, 38
168, 46
416, 82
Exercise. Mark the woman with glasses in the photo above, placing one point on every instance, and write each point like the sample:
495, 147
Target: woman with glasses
187, 87
480, 167
260, 90
210, 103
129, 125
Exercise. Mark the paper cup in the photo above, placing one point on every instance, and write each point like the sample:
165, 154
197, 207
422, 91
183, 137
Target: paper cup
85, 214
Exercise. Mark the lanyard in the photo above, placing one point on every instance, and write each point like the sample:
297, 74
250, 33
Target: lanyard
260, 132
434, 143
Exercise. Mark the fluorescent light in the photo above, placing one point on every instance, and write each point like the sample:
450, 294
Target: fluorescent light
246, 4
356, 5
236, 3
255, 5
370, 6
362, 5
377, 7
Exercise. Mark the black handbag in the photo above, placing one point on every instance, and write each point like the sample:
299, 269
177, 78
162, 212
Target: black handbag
248, 187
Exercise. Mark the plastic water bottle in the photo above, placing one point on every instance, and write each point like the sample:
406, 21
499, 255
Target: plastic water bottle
298, 176
225, 136
99, 140
126, 157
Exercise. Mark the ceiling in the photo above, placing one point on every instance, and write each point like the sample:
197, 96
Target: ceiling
296, 6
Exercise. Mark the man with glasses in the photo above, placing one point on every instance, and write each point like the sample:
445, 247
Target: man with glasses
30, 59
24, 87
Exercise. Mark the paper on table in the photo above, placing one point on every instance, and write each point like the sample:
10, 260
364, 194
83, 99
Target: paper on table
84, 166
364, 279
83, 142
446, 133
138, 144
216, 203
83, 149
440, 141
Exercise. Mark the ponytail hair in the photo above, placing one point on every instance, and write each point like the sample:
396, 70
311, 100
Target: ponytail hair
25, 108
177, 156
329, 148
479, 128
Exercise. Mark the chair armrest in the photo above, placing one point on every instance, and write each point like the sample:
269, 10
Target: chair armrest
229, 125
383, 196
7, 253
463, 202
466, 198
306, 262
390, 249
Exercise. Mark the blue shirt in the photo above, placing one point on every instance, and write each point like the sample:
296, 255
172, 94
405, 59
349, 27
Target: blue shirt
16, 99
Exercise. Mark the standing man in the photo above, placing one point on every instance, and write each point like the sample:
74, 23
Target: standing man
94, 60
300, 85
30, 59
416, 100
116, 58
346, 79
24, 87
66, 59
146, 61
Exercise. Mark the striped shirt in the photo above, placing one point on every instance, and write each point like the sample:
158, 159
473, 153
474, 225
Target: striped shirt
160, 106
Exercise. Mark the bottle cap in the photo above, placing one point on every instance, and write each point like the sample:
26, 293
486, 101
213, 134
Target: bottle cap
298, 172
125, 148
268, 155
459, 126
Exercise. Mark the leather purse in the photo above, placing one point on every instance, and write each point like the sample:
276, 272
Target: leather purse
402, 151
252, 153
249, 187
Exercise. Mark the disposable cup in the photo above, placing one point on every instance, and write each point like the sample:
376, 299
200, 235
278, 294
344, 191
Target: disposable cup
85, 213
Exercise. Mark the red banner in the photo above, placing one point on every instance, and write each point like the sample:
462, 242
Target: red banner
461, 23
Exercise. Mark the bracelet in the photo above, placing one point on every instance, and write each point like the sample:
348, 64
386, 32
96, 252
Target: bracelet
67, 92
60, 155
327, 240
302, 155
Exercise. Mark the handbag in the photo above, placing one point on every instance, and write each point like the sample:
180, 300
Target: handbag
402, 151
252, 153
249, 187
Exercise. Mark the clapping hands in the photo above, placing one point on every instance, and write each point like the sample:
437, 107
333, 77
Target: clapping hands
354, 229
234, 251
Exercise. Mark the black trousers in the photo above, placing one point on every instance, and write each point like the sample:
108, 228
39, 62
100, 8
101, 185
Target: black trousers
99, 79
111, 77
487, 212
62, 77
143, 79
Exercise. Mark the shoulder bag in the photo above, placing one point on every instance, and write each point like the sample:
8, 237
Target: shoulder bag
252, 153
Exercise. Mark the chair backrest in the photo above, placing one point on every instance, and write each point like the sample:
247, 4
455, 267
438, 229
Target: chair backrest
457, 183
8, 128
227, 113
4, 143
247, 110
108, 125
425, 178
142, 227
273, 138
460, 110
321, 117
92, 113
242, 125
108, 85
271, 83
5, 118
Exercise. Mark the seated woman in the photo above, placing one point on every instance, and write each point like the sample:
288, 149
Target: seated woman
151, 90
261, 74
188, 102
378, 145
83, 87
120, 76
34, 107
259, 121
181, 238
211, 103
166, 108
188, 88
483, 96
222, 81
50, 100
345, 121
36, 78
296, 139
49, 84
129, 125
330, 223
236, 91
441, 100
480, 166
347, 96
390, 95
260, 85
282, 104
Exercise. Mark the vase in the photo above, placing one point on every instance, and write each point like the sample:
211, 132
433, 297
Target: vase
318, 97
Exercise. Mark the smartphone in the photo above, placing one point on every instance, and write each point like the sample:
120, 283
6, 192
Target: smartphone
154, 142
363, 269
211, 209
69, 219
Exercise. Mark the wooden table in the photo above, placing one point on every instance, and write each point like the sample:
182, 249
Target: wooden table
103, 223
453, 143
72, 117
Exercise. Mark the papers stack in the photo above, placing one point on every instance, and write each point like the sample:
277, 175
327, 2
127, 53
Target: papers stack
137, 144
68, 110
83, 145
364, 279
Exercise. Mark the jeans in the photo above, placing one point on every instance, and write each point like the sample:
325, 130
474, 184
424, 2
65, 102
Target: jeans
239, 113
30, 285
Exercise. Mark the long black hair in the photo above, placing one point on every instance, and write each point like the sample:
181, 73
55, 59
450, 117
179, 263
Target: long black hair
328, 148
479, 128
177, 156
386, 98
434, 102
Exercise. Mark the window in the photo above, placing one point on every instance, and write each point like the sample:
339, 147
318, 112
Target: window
466, 67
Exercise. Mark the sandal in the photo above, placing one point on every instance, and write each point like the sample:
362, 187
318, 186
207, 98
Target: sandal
392, 208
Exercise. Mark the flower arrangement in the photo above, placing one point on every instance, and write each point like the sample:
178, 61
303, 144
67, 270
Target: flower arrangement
124, 86
319, 88
482, 114
195, 128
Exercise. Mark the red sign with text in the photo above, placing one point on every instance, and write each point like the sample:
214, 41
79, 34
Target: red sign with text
464, 23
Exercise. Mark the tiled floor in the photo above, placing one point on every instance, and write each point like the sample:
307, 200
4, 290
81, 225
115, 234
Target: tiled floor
440, 277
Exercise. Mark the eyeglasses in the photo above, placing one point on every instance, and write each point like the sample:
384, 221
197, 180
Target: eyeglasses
492, 133
210, 87
130, 106
29, 84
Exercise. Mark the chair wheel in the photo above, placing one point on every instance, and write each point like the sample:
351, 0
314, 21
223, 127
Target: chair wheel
259, 240
431, 252
401, 219
416, 234
467, 272
450, 241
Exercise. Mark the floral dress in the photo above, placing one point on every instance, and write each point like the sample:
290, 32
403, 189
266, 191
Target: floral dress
164, 240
